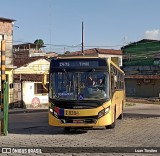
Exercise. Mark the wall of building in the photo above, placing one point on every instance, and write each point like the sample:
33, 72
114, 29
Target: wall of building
29, 98
32, 100
142, 70
6, 33
141, 53
37, 67
142, 88
6, 29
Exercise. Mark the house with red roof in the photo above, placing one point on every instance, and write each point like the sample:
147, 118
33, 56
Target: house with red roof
115, 55
28, 89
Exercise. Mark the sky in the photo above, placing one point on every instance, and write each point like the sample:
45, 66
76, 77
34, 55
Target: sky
108, 24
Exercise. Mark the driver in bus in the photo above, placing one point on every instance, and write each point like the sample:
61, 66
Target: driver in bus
90, 81
101, 82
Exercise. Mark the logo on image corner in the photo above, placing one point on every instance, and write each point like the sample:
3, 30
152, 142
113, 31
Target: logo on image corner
6, 150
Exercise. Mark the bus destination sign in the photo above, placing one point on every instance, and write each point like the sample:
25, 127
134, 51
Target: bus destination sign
78, 64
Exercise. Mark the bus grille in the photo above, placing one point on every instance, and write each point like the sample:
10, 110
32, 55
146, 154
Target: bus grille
79, 120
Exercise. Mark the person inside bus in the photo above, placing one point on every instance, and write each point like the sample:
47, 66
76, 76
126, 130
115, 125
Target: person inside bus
101, 83
89, 85
90, 81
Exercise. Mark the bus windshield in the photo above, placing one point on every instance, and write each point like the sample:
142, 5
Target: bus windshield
73, 85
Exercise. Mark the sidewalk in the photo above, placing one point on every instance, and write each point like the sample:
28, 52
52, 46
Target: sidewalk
143, 100
21, 110
128, 100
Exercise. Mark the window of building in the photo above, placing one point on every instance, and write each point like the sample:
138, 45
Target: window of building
38, 88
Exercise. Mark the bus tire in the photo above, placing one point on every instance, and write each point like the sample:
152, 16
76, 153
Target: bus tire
114, 122
121, 115
67, 129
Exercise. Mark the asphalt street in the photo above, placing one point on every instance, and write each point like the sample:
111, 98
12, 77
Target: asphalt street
138, 134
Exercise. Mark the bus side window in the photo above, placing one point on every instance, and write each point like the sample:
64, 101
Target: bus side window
113, 82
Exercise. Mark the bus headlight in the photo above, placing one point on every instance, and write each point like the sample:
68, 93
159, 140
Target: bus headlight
103, 112
51, 110
55, 114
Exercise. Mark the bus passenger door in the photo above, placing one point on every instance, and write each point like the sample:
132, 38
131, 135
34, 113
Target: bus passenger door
113, 93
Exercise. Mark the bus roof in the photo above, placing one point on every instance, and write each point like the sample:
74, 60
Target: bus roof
79, 57
62, 62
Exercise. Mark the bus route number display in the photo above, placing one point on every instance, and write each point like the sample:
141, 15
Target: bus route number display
78, 64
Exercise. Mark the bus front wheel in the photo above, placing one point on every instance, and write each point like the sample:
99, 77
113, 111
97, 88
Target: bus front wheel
67, 129
121, 115
113, 124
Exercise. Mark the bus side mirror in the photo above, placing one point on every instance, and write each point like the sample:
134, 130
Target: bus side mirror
115, 78
115, 81
44, 81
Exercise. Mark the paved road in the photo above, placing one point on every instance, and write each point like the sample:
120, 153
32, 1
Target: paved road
140, 128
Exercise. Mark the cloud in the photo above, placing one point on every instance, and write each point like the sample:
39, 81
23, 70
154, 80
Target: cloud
152, 34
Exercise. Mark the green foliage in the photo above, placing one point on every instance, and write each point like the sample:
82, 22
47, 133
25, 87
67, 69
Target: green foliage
39, 43
67, 52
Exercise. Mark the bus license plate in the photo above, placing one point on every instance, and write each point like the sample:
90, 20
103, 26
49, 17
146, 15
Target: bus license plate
71, 113
78, 121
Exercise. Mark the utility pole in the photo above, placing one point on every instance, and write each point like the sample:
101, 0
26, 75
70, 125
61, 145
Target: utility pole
82, 40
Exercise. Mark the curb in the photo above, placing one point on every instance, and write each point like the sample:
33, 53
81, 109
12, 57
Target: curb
145, 103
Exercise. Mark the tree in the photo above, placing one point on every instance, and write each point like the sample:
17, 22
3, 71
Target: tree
39, 43
67, 52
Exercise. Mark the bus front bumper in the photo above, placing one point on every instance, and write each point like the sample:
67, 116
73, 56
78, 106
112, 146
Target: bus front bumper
81, 122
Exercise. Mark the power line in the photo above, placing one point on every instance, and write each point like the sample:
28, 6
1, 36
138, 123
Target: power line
98, 46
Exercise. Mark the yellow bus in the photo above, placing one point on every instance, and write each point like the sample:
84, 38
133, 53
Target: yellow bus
85, 92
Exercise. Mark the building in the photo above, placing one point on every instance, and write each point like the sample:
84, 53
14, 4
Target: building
27, 50
30, 50
141, 63
116, 55
31, 64
51, 54
28, 88
140, 53
6, 33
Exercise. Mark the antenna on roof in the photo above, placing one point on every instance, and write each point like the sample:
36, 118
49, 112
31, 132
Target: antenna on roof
82, 40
